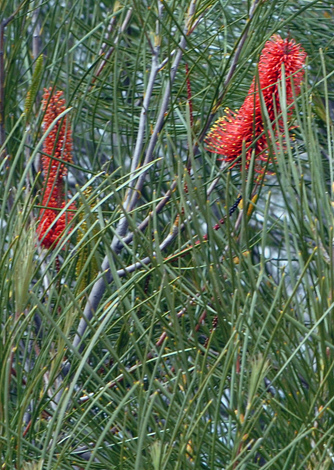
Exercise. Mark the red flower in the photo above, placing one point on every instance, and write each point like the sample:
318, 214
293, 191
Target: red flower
57, 151
246, 125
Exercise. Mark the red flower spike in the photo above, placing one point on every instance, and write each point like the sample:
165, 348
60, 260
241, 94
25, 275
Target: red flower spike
246, 125
57, 144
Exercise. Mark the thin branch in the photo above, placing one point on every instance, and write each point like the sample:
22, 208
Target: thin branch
163, 336
133, 195
107, 35
161, 116
100, 285
36, 37
111, 50
166, 60
143, 115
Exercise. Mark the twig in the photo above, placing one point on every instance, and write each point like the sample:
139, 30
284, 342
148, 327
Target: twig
142, 123
133, 195
111, 50
163, 336
201, 320
109, 30
100, 284
215, 181
36, 37
161, 116
118, 242
166, 60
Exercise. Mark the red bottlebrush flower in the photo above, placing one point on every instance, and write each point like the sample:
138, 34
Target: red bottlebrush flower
57, 151
246, 125
58, 143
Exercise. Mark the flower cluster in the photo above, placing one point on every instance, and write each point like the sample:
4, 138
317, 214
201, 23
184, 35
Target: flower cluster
246, 127
57, 151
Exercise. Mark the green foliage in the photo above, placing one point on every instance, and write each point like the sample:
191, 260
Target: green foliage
86, 268
35, 83
219, 357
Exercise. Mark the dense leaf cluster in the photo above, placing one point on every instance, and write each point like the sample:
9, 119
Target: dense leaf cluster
151, 337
